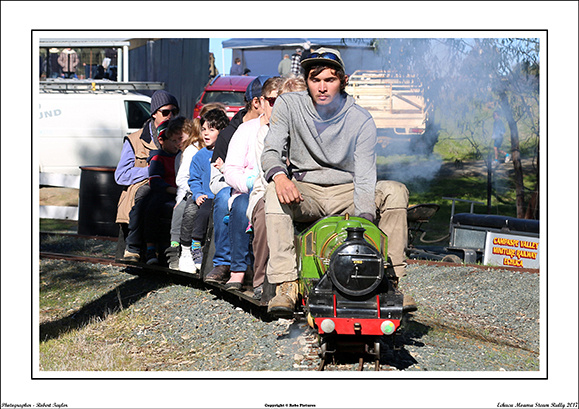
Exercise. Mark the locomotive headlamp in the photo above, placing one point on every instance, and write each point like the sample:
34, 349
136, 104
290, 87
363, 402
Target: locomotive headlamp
388, 327
328, 326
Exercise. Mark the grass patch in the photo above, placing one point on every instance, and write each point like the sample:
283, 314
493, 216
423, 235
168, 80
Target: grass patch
53, 225
90, 319
115, 338
101, 345
82, 247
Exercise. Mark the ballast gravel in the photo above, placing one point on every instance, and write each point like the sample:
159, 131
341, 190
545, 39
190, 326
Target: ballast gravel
493, 304
468, 319
218, 335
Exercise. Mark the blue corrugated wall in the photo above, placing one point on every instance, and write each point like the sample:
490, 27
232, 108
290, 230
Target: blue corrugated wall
181, 63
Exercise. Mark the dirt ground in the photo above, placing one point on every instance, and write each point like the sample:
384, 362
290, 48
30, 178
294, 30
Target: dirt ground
58, 196
479, 168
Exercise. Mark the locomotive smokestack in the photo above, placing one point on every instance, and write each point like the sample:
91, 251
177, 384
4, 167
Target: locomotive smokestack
355, 233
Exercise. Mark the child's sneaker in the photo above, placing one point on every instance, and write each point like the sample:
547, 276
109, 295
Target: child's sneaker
508, 158
172, 254
197, 257
152, 257
186, 260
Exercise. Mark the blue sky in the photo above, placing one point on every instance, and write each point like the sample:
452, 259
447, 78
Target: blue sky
222, 57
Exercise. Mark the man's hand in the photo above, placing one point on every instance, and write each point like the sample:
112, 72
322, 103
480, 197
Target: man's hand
286, 190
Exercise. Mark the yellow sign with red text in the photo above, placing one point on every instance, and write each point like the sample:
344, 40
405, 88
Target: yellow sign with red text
511, 250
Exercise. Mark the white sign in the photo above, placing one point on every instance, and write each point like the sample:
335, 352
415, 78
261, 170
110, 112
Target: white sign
511, 250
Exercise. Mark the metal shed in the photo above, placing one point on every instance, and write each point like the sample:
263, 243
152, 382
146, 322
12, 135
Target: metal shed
181, 63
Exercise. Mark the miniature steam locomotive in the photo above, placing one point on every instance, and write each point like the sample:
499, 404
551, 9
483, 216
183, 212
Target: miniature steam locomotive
347, 285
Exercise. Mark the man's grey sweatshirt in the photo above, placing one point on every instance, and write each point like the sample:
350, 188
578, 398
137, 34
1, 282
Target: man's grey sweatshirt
325, 152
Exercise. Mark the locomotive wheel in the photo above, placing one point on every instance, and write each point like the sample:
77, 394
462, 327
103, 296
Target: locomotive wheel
377, 350
322, 352
327, 351
324, 356
377, 355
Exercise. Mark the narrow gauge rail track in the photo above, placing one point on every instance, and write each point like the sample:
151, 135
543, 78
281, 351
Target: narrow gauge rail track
76, 257
409, 261
77, 236
136, 268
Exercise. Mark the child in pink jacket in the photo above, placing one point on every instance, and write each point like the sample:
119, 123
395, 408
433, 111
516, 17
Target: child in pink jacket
241, 169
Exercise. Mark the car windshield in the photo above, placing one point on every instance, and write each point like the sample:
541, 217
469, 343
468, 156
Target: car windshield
137, 113
230, 98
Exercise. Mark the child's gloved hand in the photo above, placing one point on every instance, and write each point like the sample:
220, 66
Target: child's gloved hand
250, 181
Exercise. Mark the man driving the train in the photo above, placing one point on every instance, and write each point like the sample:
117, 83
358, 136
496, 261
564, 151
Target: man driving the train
320, 155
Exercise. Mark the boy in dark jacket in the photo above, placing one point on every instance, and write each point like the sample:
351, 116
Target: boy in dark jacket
162, 182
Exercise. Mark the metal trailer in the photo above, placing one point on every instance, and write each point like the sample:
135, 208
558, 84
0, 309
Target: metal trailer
476, 238
494, 239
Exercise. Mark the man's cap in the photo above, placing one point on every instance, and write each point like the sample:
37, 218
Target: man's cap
161, 98
254, 88
324, 56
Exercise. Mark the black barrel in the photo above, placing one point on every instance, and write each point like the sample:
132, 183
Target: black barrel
97, 203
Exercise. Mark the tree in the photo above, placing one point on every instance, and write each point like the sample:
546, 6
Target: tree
482, 72
509, 68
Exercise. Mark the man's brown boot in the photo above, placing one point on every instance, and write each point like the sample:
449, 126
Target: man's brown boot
219, 274
408, 304
286, 296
